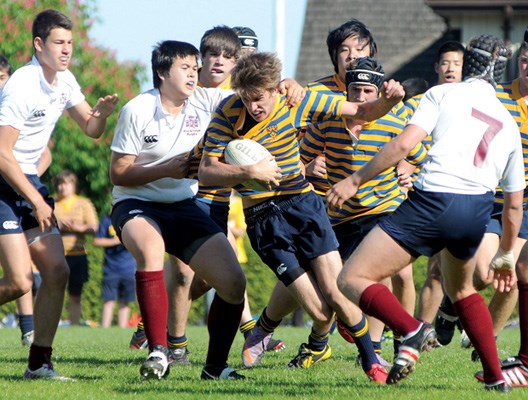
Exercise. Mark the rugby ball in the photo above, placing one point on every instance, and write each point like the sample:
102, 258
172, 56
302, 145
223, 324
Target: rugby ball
246, 152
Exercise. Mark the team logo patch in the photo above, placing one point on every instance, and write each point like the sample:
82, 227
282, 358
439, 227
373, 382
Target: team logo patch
281, 269
39, 113
151, 139
272, 131
10, 225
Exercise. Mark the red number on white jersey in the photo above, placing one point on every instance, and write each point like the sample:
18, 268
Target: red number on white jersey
494, 126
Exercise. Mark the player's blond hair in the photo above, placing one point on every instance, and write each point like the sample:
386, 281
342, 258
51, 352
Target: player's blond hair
256, 73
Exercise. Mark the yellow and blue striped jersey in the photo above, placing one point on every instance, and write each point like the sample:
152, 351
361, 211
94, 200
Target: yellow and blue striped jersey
510, 96
345, 155
277, 133
218, 195
333, 85
411, 105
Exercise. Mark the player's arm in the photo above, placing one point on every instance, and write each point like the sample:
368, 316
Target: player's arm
106, 242
93, 120
293, 90
44, 162
13, 174
124, 171
389, 155
391, 94
502, 266
214, 172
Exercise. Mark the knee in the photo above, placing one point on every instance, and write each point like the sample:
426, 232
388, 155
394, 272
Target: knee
20, 287
480, 280
56, 275
184, 278
234, 293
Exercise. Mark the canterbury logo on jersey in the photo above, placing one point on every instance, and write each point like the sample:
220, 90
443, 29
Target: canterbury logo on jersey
10, 225
39, 113
151, 138
281, 269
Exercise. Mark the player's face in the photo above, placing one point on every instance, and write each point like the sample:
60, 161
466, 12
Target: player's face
523, 69
349, 50
361, 93
449, 67
182, 78
216, 68
3, 77
261, 105
55, 53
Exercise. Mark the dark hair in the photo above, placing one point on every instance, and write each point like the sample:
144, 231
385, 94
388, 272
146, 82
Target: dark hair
414, 86
449, 46
165, 53
353, 27
220, 39
485, 58
47, 20
4, 64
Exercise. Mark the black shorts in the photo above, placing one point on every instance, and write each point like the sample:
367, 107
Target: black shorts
16, 214
287, 232
350, 233
427, 222
184, 226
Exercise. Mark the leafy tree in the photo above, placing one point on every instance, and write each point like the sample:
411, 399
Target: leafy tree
97, 71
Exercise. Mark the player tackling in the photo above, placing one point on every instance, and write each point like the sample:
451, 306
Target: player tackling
476, 144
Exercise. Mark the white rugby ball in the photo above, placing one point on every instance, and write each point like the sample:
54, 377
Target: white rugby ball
246, 152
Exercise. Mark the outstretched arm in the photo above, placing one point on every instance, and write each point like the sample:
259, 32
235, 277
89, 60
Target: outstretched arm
93, 120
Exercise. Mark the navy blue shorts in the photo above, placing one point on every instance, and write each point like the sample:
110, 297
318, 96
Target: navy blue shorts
218, 213
16, 214
427, 222
120, 287
350, 233
287, 232
78, 273
495, 224
184, 226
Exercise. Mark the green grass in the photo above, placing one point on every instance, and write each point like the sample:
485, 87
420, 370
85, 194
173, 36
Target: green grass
105, 368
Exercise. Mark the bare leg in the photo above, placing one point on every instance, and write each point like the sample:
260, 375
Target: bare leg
432, 292
123, 314
107, 314
15, 260
74, 309
178, 279
48, 255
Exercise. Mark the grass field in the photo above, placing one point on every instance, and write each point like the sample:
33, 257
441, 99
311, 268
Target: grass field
105, 368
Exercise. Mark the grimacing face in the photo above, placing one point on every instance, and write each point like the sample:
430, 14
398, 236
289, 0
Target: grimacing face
261, 105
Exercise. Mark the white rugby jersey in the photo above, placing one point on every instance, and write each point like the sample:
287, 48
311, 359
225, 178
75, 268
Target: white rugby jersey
475, 141
145, 130
28, 103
